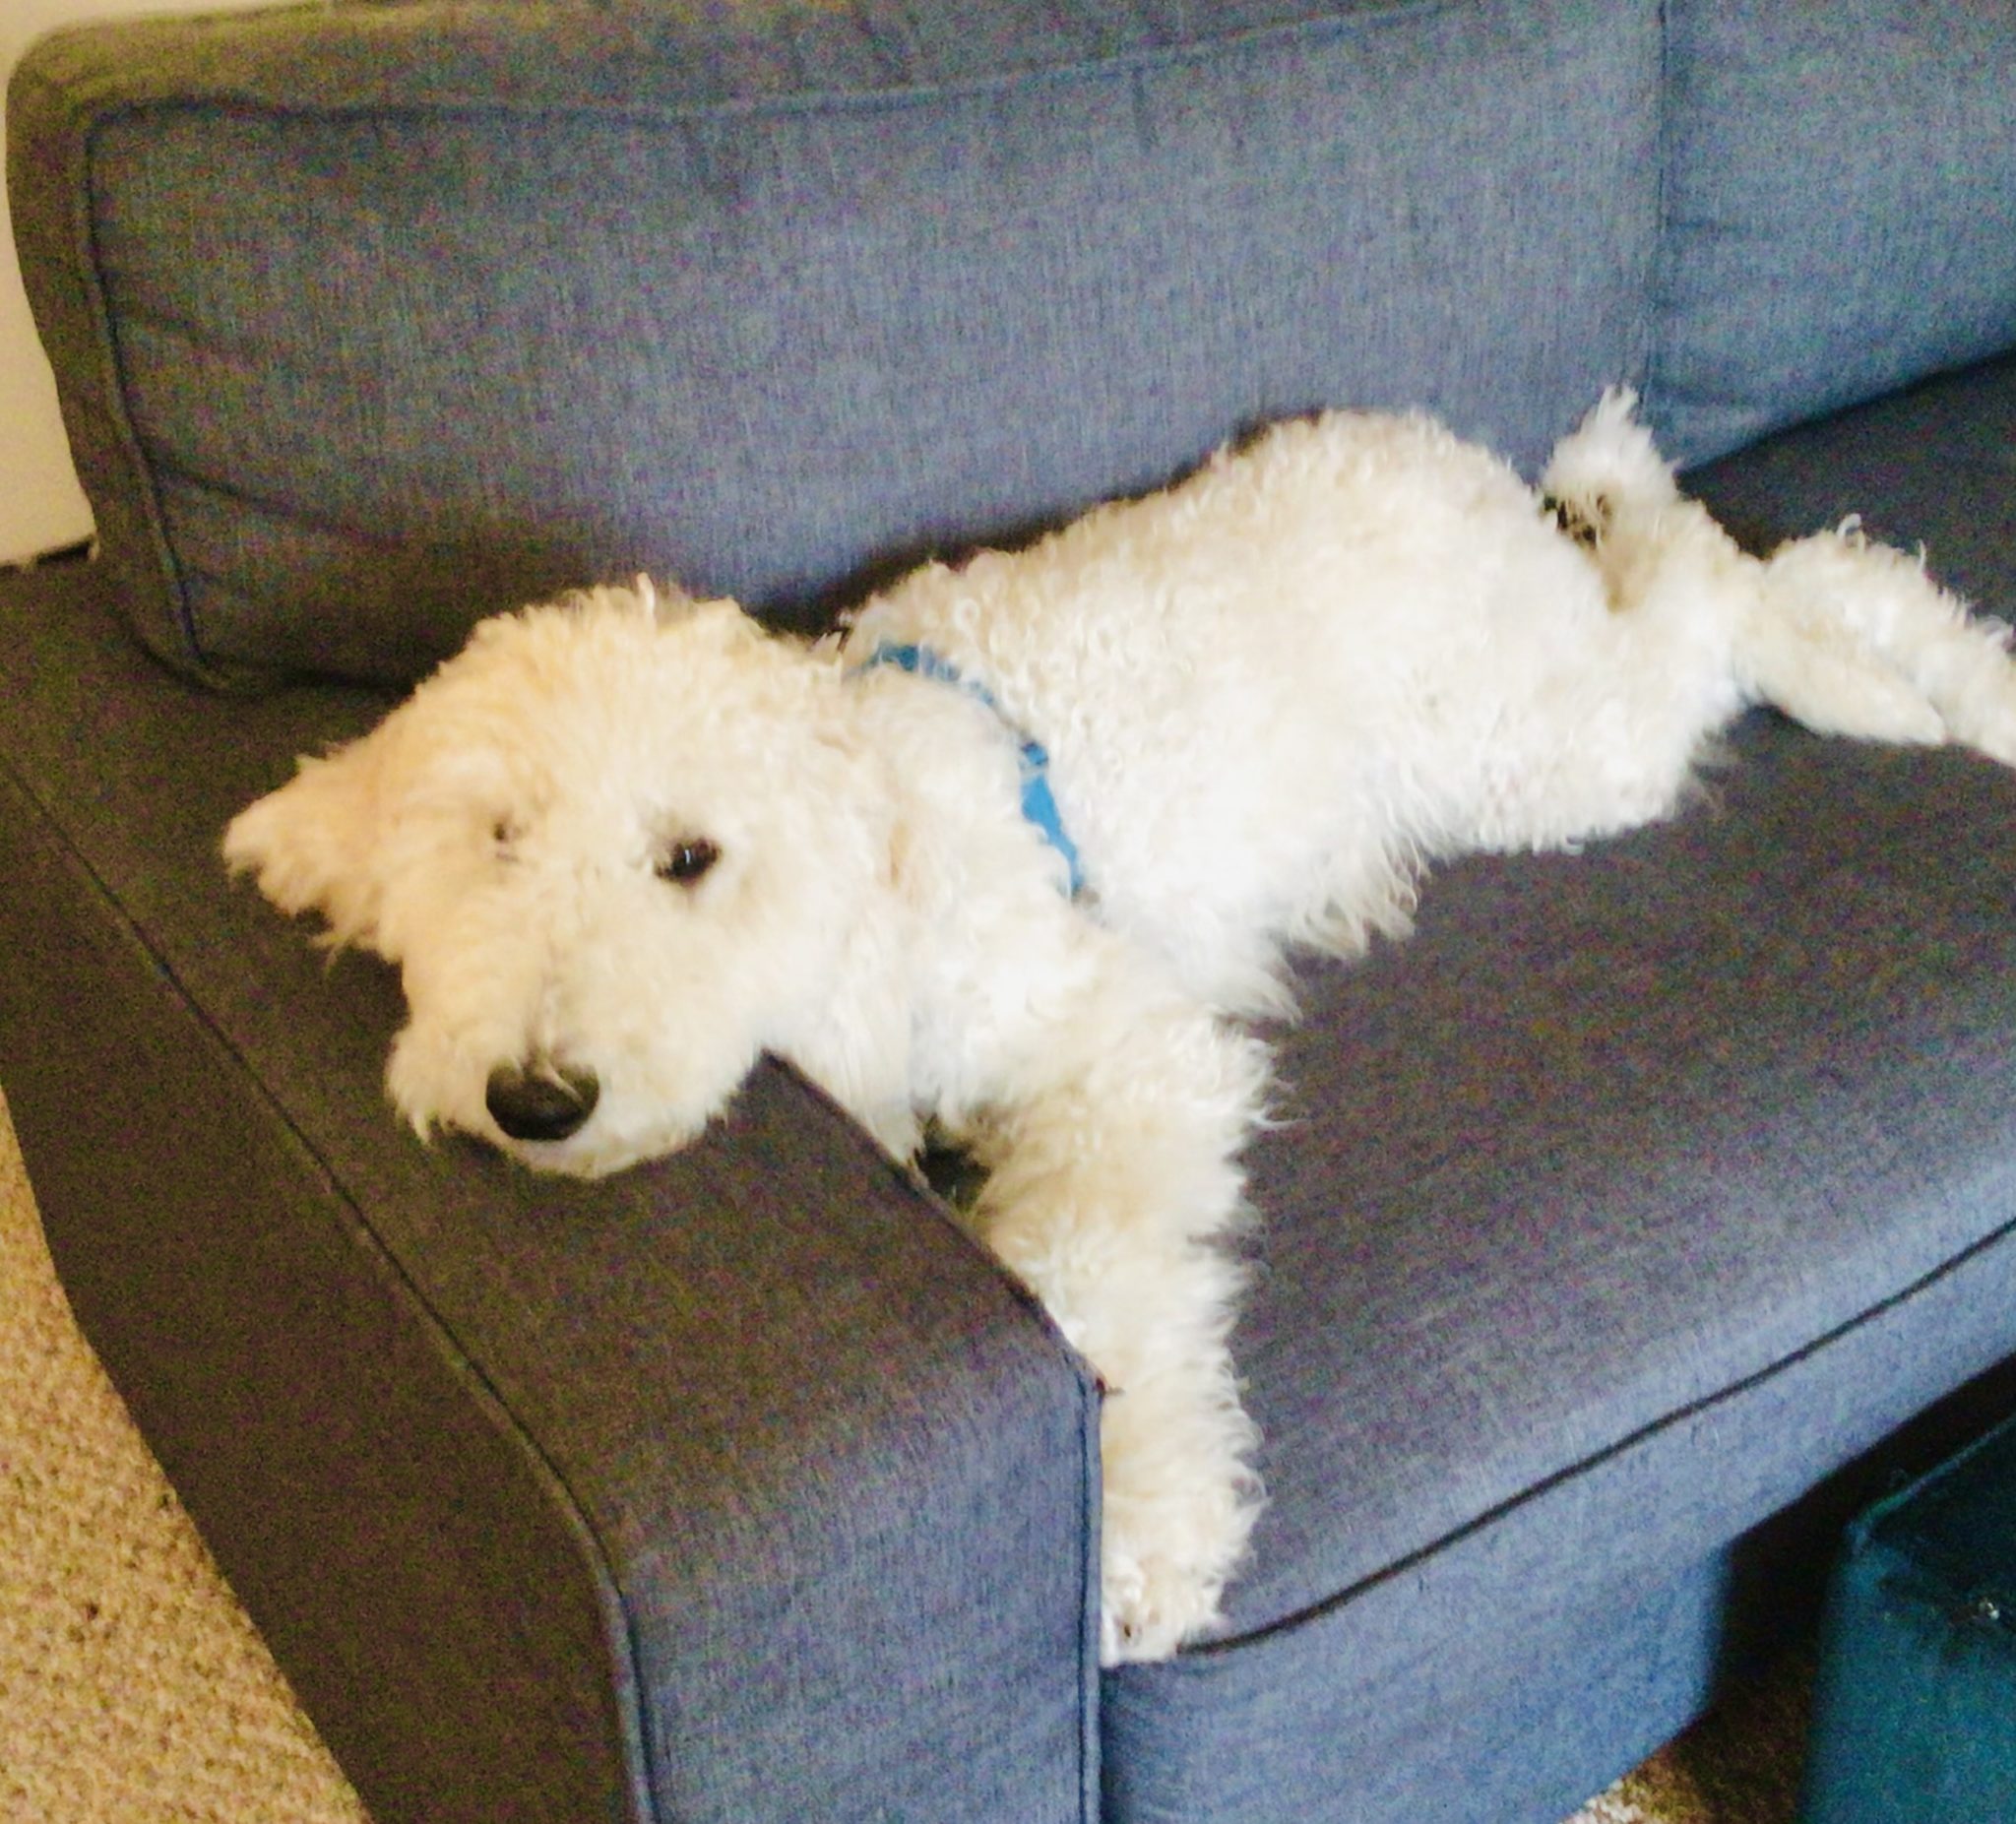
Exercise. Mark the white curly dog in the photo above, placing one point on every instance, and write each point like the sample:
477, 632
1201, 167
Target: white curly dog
624, 844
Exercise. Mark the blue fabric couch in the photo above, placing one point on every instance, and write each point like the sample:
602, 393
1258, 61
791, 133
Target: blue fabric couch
1637, 1202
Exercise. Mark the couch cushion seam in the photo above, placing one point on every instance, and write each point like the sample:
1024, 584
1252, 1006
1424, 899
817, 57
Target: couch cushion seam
117, 397
836, 99
1594, 1460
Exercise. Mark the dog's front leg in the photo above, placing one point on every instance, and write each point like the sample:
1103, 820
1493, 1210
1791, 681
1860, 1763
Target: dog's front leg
1112, 1180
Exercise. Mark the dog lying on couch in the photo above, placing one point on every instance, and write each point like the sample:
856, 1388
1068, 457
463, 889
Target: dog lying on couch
1014, 855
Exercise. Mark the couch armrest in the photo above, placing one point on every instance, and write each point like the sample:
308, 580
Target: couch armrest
742, 1487
371, 319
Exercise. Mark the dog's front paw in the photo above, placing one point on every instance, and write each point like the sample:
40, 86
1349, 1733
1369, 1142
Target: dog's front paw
1150, 1607
1180, 1500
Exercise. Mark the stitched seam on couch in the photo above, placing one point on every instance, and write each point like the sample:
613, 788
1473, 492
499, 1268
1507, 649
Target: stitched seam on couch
872, 1156
1623, 1446
246, 98
1653, 315
110, 395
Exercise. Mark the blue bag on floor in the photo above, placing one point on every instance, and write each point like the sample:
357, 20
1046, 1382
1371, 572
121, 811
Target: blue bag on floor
1914, 1709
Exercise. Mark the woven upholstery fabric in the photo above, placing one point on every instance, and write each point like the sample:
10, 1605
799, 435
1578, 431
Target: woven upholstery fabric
375, 318
1840, 208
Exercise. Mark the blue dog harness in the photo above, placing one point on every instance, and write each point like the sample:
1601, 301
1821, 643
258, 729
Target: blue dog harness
1039, 803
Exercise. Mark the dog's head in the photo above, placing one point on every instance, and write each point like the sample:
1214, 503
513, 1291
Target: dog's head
617, 848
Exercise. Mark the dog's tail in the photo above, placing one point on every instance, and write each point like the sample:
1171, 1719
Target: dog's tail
1847, 636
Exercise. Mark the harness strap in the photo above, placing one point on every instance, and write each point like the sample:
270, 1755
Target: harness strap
1039, 803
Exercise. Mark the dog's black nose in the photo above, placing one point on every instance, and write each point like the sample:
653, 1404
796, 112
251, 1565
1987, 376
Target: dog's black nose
543, 1105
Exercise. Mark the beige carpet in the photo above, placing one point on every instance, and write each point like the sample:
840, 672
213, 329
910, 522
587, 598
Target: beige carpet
133, 1690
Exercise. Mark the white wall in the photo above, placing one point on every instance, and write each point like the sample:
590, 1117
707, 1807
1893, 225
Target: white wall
41, 506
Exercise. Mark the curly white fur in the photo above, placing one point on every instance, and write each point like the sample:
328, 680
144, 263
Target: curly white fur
619, 847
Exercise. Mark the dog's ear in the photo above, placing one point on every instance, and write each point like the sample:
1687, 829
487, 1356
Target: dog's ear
311, 842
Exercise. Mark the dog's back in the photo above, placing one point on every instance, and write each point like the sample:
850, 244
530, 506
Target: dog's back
1271, 692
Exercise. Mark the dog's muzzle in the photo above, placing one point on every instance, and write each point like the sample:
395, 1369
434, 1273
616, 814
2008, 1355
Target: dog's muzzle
546, 1102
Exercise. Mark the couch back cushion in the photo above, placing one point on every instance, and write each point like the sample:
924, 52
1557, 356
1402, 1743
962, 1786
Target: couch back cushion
372, 320
1841, 206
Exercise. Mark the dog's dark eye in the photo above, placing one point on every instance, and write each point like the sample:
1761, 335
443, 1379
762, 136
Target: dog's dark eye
687, 860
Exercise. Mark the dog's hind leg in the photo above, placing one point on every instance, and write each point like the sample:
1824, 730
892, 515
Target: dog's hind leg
1798, 649
1605, 468
1844, 635
1853, 638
